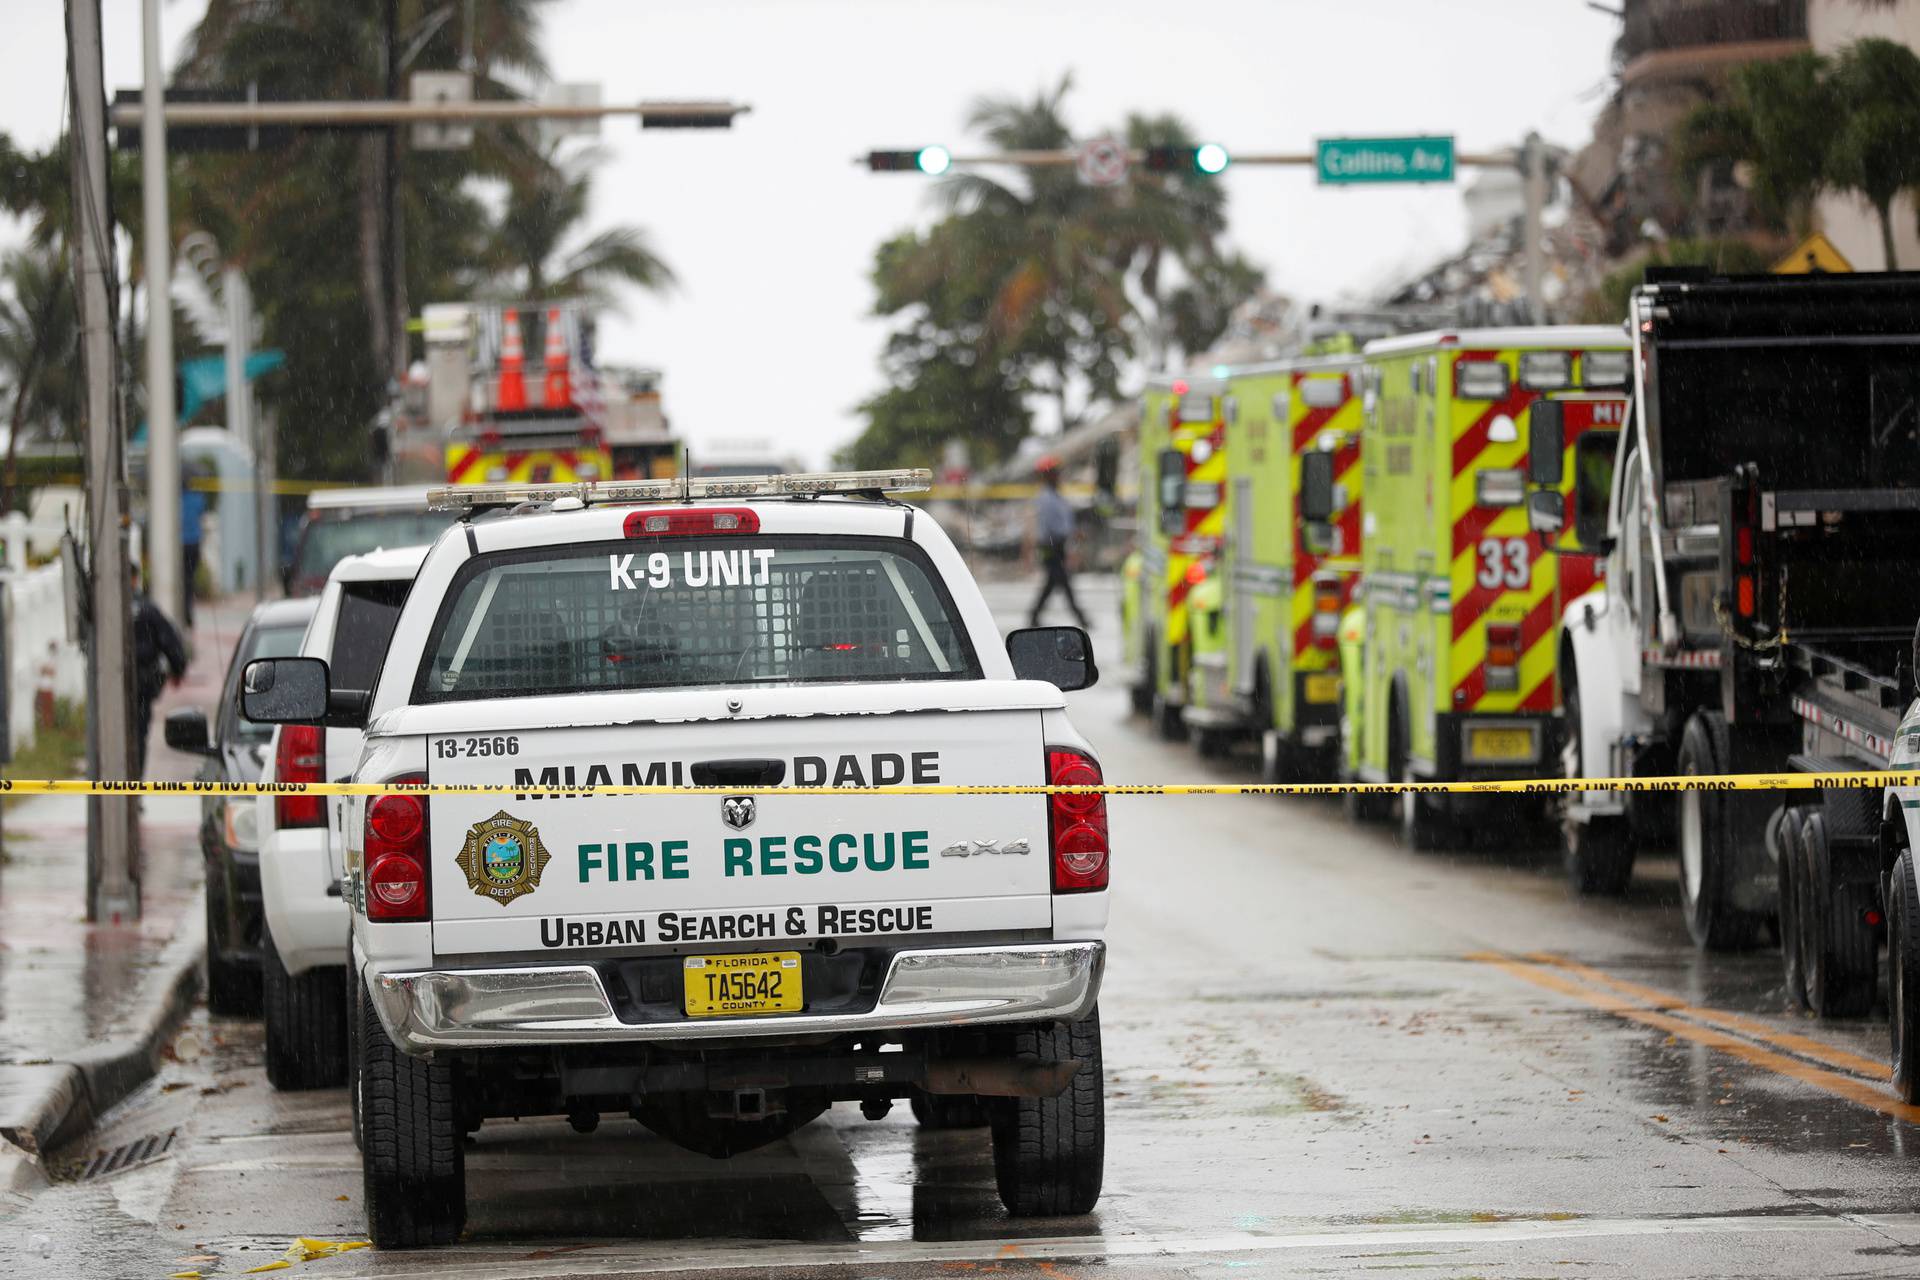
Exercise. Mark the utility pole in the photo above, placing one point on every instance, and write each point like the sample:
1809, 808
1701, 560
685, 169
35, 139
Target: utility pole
1534, 169
396, 215
163, 438
113, 885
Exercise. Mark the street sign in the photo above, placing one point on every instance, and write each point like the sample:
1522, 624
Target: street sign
1347, 160
1102, 162
442, 88
1813, 256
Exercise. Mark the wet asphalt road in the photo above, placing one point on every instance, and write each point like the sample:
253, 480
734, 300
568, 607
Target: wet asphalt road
1325, 1055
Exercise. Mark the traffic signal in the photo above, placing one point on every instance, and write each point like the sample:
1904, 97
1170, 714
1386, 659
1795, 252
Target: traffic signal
929, 160
1208, 158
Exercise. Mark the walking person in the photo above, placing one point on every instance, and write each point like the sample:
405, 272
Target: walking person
1053, 538
193, 514
159, 655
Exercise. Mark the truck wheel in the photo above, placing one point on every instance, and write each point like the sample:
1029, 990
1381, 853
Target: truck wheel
355, 998
414, 1164
233, 989
1049, 1154
1791, 870
1142, 693
1212, 744
1707, 842
1168, 724
948, 1111
1903, 976
1842, 958
1423, 818
306, 1029
1598, 856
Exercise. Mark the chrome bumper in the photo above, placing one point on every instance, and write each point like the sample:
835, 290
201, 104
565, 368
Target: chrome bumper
567, 1004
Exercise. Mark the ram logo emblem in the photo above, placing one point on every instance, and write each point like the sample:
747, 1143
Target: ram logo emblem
738, 812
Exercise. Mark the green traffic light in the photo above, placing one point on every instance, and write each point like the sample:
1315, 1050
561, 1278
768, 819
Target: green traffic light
1211, 157
934, 161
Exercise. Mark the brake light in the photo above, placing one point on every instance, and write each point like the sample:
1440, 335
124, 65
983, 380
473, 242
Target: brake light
1503, 656
1326, 612
396, 855
1743, 595
301, 757
1076, 823
671, 524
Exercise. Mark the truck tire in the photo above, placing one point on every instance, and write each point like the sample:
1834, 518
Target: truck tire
1213, 744
355, 998
1842, 957
1168, 724
306, 1025
1903, 976
413, 1165
948, 1111
1707, 839
1049, 1154
1791, 868
233, 989
1423, 819
1142, 692
1597, 856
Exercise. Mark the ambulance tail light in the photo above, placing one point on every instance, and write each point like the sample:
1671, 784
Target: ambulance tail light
672, 524
1076, 823
1196, 573
301, 757
1503, 656
396, 855
1326, 612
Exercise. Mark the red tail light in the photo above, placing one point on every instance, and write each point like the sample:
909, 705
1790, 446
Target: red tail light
1503, 655
396, 856
668, 524
1326, 612
1196, 573
1743, 595
1076, 824
302, 757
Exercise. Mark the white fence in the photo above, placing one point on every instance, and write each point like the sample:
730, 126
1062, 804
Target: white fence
38, 651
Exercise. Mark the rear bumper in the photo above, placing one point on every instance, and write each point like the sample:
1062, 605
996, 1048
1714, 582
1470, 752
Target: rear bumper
568, 1004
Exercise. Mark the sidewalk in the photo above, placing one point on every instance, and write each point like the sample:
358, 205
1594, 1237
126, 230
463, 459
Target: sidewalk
85, 1008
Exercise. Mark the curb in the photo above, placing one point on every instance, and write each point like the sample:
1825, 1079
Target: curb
71, 1095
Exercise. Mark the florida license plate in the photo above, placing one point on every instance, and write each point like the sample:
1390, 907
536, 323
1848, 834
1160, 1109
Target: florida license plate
1499, 744
738, 985
1322, 686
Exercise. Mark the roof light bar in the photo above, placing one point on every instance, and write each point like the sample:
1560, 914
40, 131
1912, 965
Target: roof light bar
898, 480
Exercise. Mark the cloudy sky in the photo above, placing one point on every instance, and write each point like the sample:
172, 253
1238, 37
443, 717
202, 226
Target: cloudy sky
771, 228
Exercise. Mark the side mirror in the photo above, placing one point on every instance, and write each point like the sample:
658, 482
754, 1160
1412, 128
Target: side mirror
1317, 504
1061, 656
1546, 511
1546, 443
284, 691
186, 730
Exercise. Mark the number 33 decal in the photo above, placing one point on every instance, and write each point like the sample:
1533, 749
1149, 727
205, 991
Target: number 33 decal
1504, 563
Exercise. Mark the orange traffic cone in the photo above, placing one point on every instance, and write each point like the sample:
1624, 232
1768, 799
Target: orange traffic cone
559, 379
513, 360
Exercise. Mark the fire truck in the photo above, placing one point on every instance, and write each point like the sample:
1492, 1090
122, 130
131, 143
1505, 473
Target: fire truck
510, 393
1448, 667
1263, 626
1183, 460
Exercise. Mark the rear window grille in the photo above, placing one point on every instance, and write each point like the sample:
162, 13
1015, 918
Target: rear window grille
555, 625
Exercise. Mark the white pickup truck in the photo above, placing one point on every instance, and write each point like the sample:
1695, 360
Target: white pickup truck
721, 965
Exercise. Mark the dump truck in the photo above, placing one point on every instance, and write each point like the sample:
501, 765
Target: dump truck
1448, 673
1762, 540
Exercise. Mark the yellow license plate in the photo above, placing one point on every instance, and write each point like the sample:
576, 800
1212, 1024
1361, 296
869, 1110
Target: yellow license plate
1323, 686
739, 985
1499, 744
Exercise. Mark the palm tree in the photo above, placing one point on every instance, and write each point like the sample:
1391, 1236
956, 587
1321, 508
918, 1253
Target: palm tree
1777, 119
1877, 85
548, 198
39, 335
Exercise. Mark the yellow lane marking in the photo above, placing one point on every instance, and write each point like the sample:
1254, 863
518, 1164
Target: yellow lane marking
1805, 1046
1842, 1086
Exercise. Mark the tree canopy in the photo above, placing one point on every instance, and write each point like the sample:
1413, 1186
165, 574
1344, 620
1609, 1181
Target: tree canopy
1042, 290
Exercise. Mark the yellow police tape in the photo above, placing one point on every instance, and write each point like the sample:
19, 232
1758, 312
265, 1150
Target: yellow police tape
1507, 786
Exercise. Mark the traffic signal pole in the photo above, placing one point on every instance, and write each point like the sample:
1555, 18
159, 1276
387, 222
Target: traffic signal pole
164, 551
113, 886
1530, 159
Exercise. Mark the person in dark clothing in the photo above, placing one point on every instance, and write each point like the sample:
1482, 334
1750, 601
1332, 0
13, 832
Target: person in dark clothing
159, 655
1053, 535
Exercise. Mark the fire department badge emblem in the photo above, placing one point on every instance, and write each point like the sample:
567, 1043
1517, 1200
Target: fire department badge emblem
503, 858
